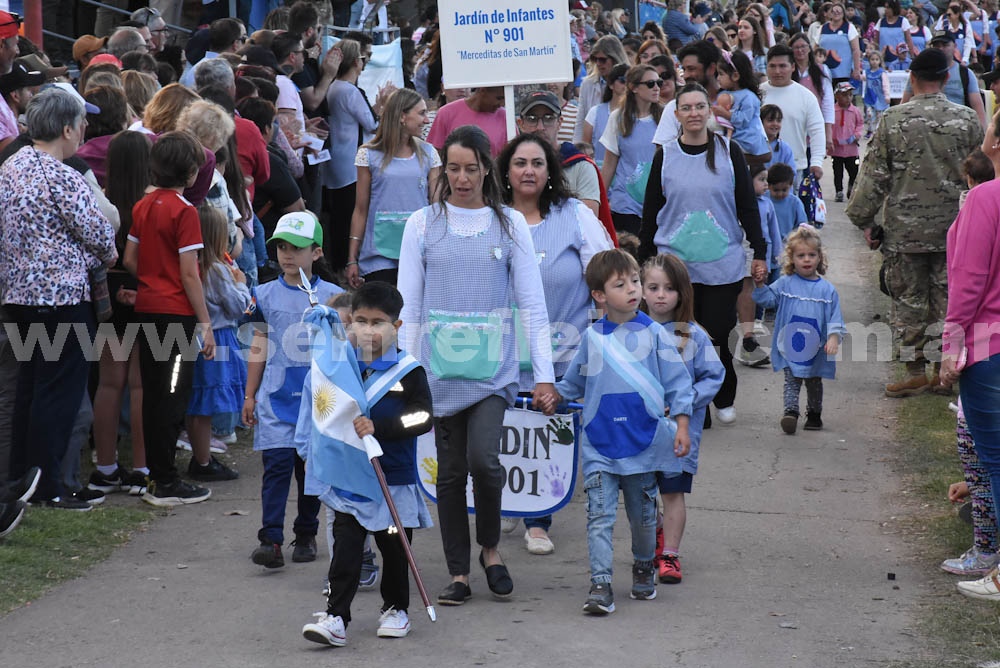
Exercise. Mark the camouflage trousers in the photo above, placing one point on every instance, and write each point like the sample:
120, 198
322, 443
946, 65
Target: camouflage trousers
918, 285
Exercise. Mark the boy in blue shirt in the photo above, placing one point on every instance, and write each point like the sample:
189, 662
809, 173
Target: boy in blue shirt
789, 210
630, 372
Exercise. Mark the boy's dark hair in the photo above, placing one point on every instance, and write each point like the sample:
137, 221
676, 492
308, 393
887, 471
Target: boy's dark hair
223, 32
173, 158
771, 112
283, 45
607, 264
978, 167
378, 295
779, 172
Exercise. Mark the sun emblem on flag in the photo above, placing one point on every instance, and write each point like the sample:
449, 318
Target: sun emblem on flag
324, 400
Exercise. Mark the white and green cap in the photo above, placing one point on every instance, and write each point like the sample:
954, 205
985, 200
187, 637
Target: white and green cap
299, 228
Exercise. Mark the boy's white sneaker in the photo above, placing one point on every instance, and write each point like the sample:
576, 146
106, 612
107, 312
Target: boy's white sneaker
327, 630
393, 624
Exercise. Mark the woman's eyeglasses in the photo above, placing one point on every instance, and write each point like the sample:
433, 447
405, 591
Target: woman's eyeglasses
652, 83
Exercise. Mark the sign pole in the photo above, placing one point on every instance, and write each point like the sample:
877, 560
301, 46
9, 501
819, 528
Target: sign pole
511, 111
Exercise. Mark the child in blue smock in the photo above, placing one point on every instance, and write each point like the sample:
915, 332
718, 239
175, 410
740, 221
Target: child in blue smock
400, 408
669, 297
276, 369
629, 370
771, 118
789, 210
740, 105
808, 326
768, 220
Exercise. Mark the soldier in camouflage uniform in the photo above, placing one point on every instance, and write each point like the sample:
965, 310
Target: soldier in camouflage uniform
912, 176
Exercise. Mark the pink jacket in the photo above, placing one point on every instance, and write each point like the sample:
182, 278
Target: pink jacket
848, 125
973, 319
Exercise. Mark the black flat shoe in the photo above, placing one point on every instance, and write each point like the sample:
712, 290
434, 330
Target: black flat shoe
498, 578
456, 593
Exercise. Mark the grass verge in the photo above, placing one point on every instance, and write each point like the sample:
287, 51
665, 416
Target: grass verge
958, 631
51, 546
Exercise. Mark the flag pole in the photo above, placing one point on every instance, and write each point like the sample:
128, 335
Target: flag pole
402, 537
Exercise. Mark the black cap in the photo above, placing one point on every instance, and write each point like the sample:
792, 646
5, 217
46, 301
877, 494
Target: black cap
540, 97
258, 55
20, 77
942, 36
930, 61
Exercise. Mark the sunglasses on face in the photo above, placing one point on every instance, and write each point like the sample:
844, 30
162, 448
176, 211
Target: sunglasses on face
600, 60
652, 83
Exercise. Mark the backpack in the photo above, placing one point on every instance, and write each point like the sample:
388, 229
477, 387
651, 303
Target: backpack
570, 156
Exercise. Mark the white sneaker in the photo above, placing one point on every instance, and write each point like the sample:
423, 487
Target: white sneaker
217, 446
508, 524
986, 588
759, 328
229, 438
726, 415
393, 624
184, 441
538, 545
327, 630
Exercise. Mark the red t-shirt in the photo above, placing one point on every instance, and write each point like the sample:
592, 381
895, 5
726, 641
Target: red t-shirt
252, 153
164, 224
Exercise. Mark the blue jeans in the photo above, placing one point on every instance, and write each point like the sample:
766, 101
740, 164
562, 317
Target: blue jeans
81, 431
980, 392
640, 491
259, 242
544, 522
279, 464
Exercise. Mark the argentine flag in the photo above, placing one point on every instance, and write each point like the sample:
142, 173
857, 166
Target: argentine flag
337, 457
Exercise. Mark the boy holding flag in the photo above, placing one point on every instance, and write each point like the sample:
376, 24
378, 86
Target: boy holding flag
399, 400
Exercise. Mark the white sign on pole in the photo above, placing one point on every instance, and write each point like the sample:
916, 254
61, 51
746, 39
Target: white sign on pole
504, 42
539, 457
897, 84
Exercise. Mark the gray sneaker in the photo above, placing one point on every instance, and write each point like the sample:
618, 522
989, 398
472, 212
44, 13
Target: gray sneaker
643, 580
600, 600
972, 562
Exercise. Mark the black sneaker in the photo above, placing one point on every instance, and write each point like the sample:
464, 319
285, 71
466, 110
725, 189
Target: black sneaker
643, 581
751, 354
789, 422
268, 554
213, 471
24, 487
305, 549
67, 503
813, 422
455, 593
108, 483
600, 600
136, 482
10, 516
91, 496
174, 494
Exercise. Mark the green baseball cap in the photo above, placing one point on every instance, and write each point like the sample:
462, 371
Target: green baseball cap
299, 228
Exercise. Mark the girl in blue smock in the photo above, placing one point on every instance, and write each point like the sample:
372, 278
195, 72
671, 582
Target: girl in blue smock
669, 297
395, 171
808, 325
741, 106
628, 140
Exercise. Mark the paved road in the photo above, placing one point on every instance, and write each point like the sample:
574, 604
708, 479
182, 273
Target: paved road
785, 564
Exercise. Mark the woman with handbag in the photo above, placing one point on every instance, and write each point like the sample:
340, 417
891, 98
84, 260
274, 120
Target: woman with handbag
53, 236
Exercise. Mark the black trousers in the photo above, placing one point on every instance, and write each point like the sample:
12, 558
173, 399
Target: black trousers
49, 388
839, 164
167, 352
626, 222
345, 567
338, 207
715, 310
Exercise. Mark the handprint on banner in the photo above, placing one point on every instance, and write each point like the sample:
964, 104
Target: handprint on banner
562, 430
556, 480
430, 467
